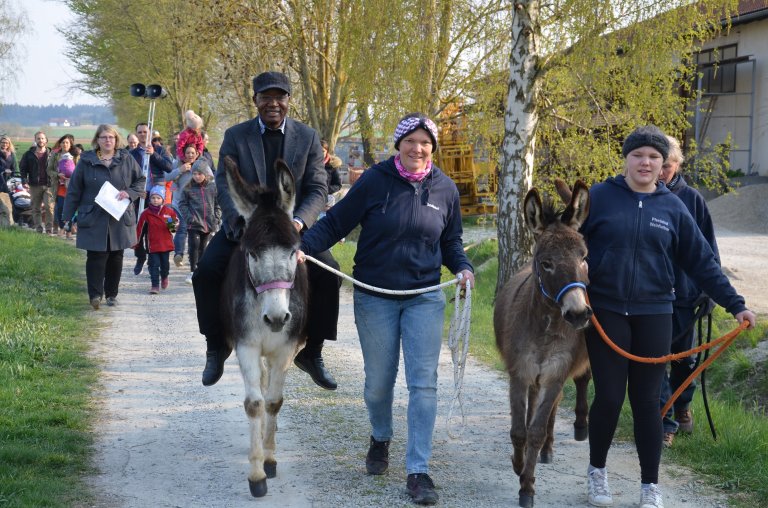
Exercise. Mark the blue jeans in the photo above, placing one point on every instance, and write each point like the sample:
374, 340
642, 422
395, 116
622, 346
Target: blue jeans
58, 212
159, 266
180, 238
679, 370
383, 324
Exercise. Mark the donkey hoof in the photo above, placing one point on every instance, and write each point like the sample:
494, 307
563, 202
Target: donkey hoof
526, 500
545, 457
270, 468
259, 488
580, 433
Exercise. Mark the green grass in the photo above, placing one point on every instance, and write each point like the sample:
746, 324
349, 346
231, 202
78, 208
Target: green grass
45, 376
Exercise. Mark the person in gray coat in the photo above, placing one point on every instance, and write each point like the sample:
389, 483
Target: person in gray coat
98, 233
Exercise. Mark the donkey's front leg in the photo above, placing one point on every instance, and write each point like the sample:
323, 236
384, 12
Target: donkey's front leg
249, 358
518, 393
537, 434
277, 366
581, 424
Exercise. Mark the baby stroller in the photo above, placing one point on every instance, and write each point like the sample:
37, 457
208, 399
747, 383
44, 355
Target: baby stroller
22, 202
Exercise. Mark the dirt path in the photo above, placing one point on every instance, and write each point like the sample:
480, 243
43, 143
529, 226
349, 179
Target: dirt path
166, 441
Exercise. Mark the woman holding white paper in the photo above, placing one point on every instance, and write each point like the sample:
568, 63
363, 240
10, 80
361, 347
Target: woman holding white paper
101, 235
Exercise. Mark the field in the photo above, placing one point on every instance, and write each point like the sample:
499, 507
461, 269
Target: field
23, 137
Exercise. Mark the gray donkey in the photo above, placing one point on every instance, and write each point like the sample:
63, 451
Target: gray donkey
538, 318
264, 308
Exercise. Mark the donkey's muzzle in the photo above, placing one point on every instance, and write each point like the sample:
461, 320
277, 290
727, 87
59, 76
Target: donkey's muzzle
579, 319
277, 321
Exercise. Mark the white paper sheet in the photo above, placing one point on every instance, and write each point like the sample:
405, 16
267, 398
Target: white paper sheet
107, 199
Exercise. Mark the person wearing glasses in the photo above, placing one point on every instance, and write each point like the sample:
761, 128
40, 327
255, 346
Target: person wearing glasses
255, 145
101, 235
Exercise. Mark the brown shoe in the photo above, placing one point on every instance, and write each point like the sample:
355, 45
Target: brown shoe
669, 437
684, 419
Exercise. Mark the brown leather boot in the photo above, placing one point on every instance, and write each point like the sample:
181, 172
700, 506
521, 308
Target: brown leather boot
684, 419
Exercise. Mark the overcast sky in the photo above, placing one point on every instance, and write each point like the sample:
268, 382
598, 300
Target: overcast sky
44, 73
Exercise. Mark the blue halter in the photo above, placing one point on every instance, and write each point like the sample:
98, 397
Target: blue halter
562, 291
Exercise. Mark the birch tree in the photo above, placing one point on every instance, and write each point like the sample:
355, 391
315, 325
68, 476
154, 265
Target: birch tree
521, 121
582, 76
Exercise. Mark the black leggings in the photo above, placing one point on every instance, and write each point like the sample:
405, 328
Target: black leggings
614, 375
196, 241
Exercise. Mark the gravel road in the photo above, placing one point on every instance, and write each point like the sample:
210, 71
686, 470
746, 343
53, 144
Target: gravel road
164, 440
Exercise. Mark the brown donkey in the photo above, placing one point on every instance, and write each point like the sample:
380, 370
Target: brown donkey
264, 301
538, 318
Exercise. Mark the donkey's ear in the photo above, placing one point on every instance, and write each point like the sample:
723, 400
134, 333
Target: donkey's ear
244, 195
286, 187
578, 209
563, 190
532, 206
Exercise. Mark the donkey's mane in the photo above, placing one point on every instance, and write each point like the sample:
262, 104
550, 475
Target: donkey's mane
550, 211
269, 225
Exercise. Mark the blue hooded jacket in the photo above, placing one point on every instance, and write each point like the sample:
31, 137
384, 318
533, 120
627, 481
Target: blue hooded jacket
635, 243
686, 290
408, 231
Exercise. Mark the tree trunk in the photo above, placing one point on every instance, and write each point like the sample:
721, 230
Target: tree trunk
366, 132
520, 122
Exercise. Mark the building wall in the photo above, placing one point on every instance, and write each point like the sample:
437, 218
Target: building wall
752, 40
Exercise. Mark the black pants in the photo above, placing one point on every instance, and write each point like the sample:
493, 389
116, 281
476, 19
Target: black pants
196, 241
102, 272
614, 375
208, 278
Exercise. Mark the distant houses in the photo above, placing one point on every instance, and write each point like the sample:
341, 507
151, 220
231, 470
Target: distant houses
60, 122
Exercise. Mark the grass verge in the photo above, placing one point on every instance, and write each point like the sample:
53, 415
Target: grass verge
45, 374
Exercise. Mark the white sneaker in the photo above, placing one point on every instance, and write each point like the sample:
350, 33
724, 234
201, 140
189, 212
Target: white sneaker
650, 496
189, 279
598, 492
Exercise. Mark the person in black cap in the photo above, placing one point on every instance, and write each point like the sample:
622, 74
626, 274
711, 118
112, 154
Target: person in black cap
638, 235
255, 145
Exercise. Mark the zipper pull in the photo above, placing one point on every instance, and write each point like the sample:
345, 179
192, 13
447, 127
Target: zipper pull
640, 203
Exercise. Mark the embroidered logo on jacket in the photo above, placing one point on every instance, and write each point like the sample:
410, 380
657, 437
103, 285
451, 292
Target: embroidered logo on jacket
658, 223
433, 206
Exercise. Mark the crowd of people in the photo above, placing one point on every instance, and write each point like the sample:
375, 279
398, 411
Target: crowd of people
652, 255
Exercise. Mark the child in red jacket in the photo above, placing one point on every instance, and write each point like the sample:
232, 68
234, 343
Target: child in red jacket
155, 231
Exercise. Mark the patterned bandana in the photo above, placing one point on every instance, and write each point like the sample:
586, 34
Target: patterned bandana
410, 124
412, 177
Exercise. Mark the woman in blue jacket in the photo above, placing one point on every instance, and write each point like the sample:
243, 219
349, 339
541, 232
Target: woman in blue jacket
638, 233
410, 222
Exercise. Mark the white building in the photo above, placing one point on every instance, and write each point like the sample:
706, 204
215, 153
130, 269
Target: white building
734, 85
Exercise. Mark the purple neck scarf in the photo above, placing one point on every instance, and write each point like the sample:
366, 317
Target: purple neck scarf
412, 177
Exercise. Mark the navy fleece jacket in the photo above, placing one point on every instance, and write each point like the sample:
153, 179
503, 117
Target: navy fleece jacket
407, 233
635, 243
686, 291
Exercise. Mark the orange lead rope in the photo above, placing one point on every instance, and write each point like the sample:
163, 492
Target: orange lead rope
726, 340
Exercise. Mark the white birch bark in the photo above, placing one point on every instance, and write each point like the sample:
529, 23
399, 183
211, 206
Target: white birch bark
520, 122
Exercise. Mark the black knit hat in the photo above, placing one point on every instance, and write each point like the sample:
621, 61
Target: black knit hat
271, 79
648, 135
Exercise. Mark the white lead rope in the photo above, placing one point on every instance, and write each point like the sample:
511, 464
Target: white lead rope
458, 332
